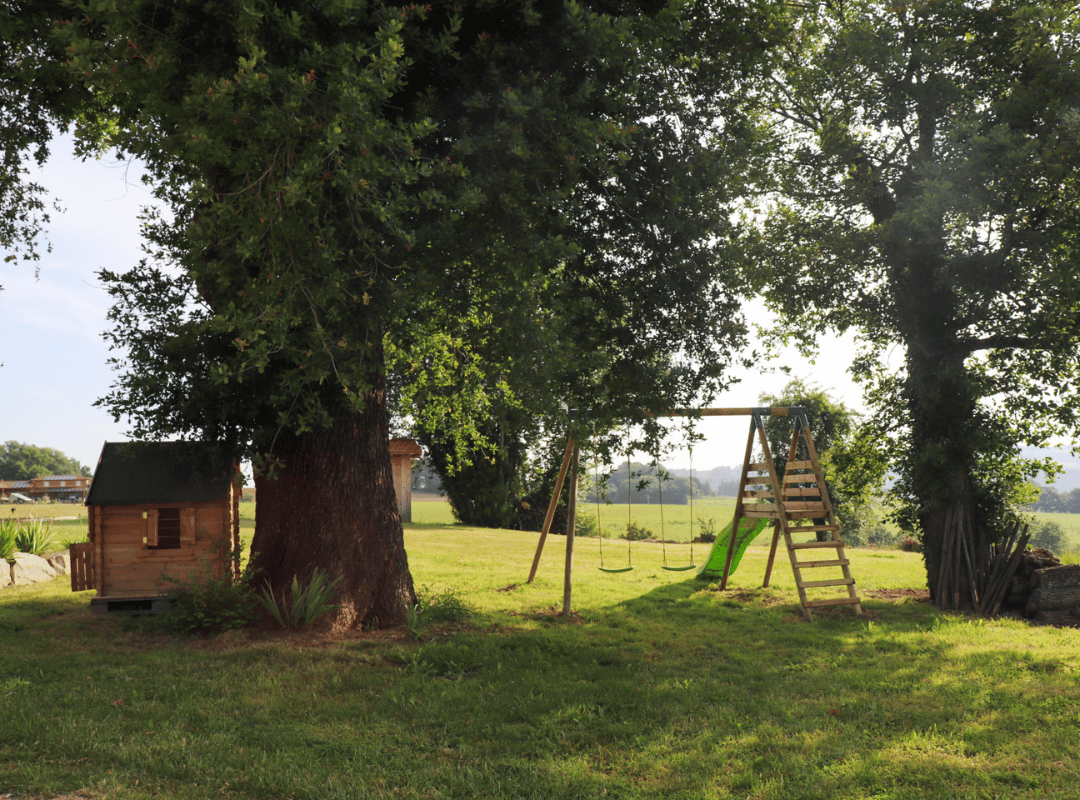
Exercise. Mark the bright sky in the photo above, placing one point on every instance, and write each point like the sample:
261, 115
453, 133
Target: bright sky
54, 357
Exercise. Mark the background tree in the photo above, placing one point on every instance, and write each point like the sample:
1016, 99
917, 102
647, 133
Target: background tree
1049, 499
332, 173
643, 311
925, 158
853, 471
645, 483
20, 462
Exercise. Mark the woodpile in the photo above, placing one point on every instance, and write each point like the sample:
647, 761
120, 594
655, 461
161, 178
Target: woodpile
971, 570
1049, 592
1004, 577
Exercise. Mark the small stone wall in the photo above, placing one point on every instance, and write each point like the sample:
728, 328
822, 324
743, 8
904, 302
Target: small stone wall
27, 569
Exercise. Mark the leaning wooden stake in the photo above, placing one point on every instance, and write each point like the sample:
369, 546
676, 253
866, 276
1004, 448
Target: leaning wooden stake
571, 445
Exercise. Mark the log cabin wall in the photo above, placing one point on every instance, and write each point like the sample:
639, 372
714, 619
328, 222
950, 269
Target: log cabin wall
135, 562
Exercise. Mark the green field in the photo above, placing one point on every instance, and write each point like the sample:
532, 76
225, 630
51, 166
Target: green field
659, 686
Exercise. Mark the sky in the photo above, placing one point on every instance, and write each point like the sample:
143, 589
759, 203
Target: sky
55, 361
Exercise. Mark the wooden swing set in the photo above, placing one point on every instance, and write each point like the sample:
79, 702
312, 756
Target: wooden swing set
796, 502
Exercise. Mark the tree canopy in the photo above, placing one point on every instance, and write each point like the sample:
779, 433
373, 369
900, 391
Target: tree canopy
925, 159
854, 471
340, 182
20, 462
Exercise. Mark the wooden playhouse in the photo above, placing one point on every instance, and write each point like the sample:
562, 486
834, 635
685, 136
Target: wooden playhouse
160, 514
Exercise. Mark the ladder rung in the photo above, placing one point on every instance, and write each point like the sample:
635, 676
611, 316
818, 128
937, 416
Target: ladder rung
799, 465
840, 562
793, 491
794, 516
816, 545
762, 467
834, 582
835, 601
812, 528
760, 514
804, 506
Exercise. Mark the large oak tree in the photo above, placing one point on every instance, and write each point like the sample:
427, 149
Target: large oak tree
926, 159
337, 175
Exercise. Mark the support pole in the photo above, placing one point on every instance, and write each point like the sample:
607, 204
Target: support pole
570, 527
571, 446
778, 498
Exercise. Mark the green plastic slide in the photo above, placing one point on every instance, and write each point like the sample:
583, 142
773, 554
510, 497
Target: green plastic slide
748, 531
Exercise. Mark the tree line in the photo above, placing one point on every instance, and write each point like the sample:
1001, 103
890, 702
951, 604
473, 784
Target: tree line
1053, 501
20, 462
642, 483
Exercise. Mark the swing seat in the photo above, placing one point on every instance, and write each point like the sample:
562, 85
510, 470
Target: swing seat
615, 569
680, 569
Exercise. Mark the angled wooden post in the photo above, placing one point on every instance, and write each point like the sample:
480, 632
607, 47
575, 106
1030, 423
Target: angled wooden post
571, 445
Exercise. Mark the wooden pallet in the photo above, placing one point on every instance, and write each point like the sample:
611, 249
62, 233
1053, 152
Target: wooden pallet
799, 504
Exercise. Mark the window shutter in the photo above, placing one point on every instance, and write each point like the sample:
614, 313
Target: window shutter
187, 526
151, 527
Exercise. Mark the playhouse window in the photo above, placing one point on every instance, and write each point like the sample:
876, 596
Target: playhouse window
168, 529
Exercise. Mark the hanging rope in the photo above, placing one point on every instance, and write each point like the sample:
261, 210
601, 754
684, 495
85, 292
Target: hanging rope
663, 536
629, 503
596, 489
660, 495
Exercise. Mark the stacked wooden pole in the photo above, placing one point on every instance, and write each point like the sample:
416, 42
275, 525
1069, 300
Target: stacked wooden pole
972, 568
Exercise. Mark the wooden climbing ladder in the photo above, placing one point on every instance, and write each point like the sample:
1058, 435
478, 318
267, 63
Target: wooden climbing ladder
799, 504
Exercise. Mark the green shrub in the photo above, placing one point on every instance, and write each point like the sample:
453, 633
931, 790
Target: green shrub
636, 533
8, 529
707, 530
878, 535
34, 537
1049, 536
305, 603
209, 608
584, 525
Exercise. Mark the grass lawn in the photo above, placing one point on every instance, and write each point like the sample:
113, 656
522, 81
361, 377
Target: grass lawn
659, 686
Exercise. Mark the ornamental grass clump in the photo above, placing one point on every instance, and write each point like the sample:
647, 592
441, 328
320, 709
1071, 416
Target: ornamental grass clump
305, 603
8, 530
34, 537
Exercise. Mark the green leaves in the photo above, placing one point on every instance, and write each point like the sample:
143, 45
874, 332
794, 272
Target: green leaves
925, 169
305, 603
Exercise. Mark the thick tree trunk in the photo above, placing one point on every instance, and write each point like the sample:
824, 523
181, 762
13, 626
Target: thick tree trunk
331, 505
940, 397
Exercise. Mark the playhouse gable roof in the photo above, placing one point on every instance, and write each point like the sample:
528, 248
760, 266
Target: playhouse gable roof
405, 447
147, 473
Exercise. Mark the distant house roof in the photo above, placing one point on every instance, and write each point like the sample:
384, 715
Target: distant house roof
20, 484
60, 477
141, 473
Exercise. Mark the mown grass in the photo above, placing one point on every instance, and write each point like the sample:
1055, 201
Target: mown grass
659, 686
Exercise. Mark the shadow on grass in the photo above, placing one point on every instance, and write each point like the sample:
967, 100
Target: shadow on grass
682, 691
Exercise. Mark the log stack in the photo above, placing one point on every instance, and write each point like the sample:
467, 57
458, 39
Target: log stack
970, 567
1005, 577
1044, 590
1055, 596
